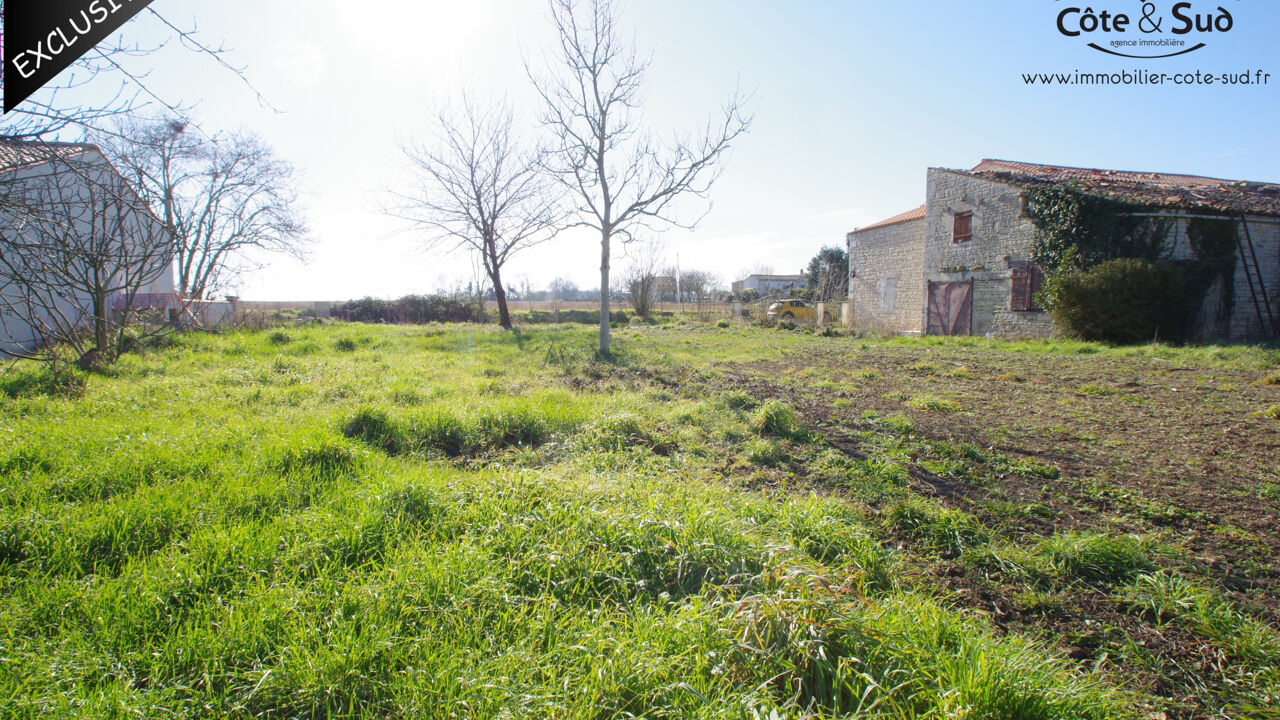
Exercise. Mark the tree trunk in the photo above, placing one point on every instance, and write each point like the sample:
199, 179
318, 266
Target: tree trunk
500, 294
604, 293
100, 310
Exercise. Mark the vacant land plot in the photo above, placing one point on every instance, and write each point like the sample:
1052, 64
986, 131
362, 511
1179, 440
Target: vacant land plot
358, 521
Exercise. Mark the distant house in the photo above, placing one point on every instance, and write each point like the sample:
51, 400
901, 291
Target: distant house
64, 209
768, 285
961, 264
664, 288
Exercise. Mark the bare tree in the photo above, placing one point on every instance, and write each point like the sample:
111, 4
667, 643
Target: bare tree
621, 178
698, 285
526, 290
227, 199
479, 189
79, 249
50, 111
642, 279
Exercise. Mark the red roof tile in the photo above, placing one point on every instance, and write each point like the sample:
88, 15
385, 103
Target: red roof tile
917, 214
16, 153
1165, 190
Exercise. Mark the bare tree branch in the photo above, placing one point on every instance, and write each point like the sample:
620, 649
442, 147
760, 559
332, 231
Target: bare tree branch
76, 252
621, 178
225, 199
478, 190
49, 112
641, 279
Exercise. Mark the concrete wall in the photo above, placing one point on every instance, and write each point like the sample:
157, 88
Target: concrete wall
1002, 238
886, 283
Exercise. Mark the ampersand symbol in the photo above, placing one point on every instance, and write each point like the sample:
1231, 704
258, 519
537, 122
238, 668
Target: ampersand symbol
1149, 24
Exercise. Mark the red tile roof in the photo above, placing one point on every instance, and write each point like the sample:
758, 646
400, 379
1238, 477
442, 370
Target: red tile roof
16, 153
1164, 190
917, 214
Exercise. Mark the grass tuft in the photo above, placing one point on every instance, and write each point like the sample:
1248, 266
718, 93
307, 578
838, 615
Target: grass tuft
776, 418
61, 381
1095, 556
375, 427
932, 403
1169, 598
942, 529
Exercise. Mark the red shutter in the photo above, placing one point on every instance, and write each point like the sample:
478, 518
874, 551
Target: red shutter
963, 229
1020, 298
1027, 280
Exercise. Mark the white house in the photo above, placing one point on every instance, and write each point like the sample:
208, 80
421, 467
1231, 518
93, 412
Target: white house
768, 285
74, 237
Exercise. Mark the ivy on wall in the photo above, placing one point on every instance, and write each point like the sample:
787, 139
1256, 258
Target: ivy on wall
1214, 242
1077, 232
1099, 229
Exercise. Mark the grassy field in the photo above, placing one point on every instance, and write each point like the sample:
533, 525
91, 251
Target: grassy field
360, 521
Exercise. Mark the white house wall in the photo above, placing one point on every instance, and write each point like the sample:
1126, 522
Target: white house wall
17, 334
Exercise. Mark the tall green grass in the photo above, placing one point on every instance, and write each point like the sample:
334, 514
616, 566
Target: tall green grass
370, 522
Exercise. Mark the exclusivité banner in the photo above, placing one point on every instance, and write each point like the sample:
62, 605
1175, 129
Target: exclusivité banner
43, 37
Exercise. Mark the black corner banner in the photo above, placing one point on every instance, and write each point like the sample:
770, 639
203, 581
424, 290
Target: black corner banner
43, 37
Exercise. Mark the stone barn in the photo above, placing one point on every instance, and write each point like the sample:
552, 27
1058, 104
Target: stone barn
962, 263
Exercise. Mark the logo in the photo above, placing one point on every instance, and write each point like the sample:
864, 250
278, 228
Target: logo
1157, 30
43, 37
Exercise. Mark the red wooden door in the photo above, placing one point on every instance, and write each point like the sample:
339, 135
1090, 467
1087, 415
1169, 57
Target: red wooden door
951, 308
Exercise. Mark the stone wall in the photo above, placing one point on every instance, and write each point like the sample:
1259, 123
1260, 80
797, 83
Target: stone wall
891, 266
886, 284
1245, 324
1002, 237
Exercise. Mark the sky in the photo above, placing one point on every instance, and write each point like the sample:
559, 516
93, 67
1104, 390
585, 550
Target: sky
853, 101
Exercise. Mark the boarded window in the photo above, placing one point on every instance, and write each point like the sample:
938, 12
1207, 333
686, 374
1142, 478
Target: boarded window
886, 294
1027, 280
963, 230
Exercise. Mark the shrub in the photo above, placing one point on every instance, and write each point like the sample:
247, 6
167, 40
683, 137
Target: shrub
411, 310
1121, 301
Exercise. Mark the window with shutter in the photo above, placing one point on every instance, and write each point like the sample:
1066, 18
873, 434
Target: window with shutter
1027, 280
963, 229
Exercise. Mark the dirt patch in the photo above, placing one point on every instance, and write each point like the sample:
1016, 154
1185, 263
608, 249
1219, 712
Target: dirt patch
1094, 443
